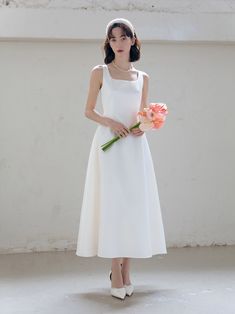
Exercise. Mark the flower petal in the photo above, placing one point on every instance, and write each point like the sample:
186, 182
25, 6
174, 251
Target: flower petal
146, 126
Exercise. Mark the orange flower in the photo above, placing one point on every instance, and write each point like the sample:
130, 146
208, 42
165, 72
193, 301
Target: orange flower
145, 126
153, 116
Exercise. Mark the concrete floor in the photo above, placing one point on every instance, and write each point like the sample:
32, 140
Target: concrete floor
186, 280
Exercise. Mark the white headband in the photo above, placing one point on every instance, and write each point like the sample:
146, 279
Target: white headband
120, 20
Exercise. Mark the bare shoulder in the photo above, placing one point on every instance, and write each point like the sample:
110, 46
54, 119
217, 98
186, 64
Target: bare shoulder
145, 76
97, 74
97, 70
145, 79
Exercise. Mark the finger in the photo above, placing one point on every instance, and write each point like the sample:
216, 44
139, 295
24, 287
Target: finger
123, 134
126, 131
135, 132
139, 133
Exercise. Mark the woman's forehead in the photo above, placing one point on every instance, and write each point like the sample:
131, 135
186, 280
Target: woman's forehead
117, 31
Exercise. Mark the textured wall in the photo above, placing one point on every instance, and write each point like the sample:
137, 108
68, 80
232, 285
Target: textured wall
211, 21
168, 6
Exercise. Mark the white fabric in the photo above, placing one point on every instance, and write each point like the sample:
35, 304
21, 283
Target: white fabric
120, 214
120, 20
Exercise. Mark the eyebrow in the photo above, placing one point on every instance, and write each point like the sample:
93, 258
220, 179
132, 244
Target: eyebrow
119, 36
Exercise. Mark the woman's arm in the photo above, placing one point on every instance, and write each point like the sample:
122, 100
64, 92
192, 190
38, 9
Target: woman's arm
94, 88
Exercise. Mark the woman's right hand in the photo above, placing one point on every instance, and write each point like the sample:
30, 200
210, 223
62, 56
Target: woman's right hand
118, 128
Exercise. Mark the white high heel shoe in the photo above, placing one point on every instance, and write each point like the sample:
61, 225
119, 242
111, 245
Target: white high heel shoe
129, 289
119, 293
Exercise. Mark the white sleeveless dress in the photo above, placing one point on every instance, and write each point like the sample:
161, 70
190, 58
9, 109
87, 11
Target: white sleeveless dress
120, 214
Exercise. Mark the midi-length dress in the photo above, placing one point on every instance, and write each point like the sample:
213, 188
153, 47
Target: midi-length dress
120, 214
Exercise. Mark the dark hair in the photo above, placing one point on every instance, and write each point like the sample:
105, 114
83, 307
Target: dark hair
134, 51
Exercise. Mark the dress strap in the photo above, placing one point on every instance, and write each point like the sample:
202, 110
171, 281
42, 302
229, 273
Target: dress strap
105, 71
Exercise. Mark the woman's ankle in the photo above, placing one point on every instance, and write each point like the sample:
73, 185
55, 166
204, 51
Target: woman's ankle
126, 278
117, 280
126, 282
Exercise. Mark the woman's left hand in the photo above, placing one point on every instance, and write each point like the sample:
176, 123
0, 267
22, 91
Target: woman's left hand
137, 132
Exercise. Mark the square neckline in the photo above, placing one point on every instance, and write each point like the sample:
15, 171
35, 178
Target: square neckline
120, 79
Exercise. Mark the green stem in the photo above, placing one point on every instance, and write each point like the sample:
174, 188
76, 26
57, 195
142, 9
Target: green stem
108, 144
135, 126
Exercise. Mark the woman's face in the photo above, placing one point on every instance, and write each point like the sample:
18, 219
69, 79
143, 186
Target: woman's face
120, 43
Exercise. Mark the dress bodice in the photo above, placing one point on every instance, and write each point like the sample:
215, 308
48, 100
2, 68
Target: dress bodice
121, 99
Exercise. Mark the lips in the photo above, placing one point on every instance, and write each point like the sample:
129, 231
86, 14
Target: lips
119, 50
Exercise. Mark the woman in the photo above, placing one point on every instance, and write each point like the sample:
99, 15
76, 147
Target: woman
121, 215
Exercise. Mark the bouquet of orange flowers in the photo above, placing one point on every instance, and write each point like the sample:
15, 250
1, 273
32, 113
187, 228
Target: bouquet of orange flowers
152, 117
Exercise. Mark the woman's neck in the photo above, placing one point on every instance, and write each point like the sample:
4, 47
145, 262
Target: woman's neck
123, 64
